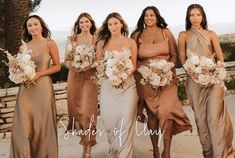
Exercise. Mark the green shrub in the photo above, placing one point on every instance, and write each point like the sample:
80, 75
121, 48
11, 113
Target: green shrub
181, 91
230, 84
60, 76
228, 49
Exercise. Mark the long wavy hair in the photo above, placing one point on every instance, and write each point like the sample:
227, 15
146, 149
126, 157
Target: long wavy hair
76, 28
104, 33
187, 19
46, 33
141, 24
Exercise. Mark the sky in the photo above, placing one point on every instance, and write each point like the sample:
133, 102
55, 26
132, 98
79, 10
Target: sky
61, 14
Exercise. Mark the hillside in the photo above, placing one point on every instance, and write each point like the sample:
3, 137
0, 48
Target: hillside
227, 37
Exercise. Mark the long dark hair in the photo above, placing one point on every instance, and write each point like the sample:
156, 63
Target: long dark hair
105, 34
187, 19
76, 28
46, 33
141, 24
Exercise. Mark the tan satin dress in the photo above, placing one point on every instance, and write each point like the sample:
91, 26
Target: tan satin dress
162, 104
118, 109
212, 118
82, 102
34, 130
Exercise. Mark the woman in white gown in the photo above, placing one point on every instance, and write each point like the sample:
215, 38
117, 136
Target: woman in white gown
118, 104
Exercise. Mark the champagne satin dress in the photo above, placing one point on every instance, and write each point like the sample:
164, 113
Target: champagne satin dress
82, 102
118, 109
212, 118
34, 130
163, 104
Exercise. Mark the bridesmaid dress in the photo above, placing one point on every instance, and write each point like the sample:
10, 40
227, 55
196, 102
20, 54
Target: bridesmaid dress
34, 130
118, 110
212, 118
82, 102
162, 105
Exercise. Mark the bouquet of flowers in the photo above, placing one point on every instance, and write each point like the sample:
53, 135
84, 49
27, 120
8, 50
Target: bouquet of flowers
79, 56
117, 67
219, 74
157, 73
21, 66
203, 70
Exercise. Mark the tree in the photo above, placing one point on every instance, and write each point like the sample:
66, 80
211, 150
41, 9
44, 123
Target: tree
15, 12
33, 5
2, 41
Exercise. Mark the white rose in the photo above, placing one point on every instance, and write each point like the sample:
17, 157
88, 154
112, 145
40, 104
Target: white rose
198, 70
159, 64
207, 62
145, 71
19, 57
109, 72
31, 76
194, 60
76, 64
77, 58
111, 62
155, 80
124, 76
26, 57
115, 80
204, 79
28, 69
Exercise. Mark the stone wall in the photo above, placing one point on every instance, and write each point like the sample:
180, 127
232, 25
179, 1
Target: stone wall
8, 100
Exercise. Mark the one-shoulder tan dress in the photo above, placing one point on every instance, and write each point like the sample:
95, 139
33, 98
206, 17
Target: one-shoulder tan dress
212, 118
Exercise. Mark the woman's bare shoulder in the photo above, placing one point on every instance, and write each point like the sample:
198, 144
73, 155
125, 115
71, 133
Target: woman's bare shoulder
131, 41
183, 33
135, 35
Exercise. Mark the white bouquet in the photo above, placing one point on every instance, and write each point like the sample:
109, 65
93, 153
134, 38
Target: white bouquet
203, 70
21, 66
79, 56
157, 73
117, 67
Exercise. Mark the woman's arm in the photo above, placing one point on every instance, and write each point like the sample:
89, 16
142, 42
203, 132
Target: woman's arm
134, 54
53, 50
182, 47
99, 57
173, 46
99, 49
216, 46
